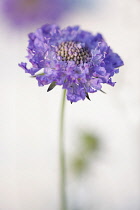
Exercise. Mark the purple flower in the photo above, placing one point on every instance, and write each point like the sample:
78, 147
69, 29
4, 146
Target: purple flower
73, 58
26, 12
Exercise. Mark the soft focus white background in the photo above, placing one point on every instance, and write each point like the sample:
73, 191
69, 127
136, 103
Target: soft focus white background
29, 118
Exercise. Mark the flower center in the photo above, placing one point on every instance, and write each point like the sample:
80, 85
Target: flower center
73, 51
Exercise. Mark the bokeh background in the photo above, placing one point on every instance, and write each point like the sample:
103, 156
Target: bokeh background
102, 136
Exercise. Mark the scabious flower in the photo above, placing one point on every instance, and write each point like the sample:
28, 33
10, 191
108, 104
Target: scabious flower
75, 59
26, 12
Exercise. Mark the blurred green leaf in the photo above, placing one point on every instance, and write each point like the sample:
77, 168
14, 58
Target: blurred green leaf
90, 143
79, 164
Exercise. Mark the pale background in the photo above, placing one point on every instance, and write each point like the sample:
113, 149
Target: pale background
29, 118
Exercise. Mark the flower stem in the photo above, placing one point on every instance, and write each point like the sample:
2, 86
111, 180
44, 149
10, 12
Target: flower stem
63, 202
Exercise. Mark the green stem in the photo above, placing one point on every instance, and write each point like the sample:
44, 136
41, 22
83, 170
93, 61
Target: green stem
63, 205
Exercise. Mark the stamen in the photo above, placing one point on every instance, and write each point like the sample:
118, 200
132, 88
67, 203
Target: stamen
72, 51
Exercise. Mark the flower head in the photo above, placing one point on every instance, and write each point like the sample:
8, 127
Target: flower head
26, 12
75, 59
